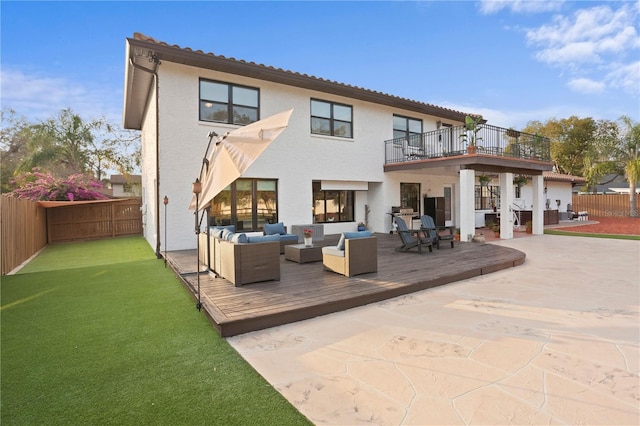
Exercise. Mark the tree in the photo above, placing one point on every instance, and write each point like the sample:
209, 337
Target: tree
626, 158
66, 145
570, 141
14, 136
38, 186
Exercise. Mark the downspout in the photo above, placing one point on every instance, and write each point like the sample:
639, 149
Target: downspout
154, 72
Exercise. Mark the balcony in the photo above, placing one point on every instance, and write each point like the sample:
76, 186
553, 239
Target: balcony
449, 142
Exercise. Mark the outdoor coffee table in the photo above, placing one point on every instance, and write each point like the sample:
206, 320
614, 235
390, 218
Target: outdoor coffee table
302, 254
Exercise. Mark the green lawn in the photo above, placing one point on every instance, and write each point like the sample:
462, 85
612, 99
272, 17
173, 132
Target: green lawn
591, 235
101, 333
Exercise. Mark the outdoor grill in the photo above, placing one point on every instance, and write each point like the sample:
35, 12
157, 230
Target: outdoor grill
406, 213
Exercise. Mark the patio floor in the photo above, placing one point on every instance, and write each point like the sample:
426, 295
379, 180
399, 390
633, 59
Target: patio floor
306, 290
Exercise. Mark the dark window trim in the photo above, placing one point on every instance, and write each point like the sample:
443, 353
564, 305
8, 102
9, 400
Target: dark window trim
332, 120
254, 203
412, 137
341, 202
230, 103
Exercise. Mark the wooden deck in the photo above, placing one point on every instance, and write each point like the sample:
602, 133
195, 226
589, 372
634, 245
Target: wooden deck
306, 290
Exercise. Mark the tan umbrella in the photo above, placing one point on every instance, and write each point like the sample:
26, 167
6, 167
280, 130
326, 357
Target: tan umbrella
234, 152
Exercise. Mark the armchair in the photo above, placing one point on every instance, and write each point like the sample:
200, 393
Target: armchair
356, 253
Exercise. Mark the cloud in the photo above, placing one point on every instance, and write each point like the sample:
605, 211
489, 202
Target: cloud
39, 97
587, 37
585, 85
488, 7
626, 77
594, 45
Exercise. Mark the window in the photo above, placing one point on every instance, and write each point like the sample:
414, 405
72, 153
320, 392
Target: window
332, 206
246, 203
407, 128
328, 118
410, 196
487, 197
228, 103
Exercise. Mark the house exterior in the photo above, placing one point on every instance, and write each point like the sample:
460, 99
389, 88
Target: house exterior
125, 185
349, 154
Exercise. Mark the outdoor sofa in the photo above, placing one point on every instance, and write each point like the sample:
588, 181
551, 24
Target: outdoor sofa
280, 229
243, 259
356, 253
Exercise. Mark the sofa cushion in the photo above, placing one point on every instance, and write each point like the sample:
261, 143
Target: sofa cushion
216, 231
227, 234
333, 251
263, 238
289, 237
239, 237
274, 228
351, 235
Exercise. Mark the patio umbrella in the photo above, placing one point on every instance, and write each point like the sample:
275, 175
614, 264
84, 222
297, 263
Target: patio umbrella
234, 152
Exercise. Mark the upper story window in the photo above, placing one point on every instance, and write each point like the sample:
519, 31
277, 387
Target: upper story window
228, 103
329, 118
407, 128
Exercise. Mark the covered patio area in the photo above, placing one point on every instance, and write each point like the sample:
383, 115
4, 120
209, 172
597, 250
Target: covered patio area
306, 290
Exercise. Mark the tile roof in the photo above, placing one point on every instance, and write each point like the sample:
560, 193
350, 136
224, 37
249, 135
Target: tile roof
559, 177
338, 88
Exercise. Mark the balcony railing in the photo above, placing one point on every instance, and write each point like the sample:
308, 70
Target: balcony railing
451, 141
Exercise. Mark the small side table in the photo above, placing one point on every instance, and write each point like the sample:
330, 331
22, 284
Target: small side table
302, 254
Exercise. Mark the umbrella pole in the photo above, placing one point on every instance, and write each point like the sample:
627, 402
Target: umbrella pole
197, 189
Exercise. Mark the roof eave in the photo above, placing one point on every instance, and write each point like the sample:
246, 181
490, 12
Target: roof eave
209, 61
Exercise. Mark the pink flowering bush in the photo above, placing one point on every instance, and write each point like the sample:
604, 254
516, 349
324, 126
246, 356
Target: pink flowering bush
38, 186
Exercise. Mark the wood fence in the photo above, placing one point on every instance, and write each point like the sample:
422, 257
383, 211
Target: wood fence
602, 205
24, 231
27, 227
94, 221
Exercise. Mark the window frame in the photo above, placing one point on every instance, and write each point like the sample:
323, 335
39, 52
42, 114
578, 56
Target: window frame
255, 203
343, 200
332, 119
230, 105
413, 138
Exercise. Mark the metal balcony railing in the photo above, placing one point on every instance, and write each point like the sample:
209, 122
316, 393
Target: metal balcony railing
450, 141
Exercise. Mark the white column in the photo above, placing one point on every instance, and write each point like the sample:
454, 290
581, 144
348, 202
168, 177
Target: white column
506, 206
467, 204
539, 203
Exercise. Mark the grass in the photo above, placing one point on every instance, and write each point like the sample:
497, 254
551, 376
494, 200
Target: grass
592, 235
101, 333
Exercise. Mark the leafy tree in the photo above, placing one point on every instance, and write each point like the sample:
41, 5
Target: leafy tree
38, 186
620, 147
14, 136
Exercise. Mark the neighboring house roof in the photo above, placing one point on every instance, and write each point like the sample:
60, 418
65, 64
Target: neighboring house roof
145, 53
122, 179
559, 177
614, 183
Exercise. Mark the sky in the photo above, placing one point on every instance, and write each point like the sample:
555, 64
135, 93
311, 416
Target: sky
511, 61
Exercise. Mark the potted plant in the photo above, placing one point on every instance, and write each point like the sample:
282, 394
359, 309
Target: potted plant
308, 237
529, 227
484, 179
361, 226
472, 125
456, 236
496, 231
520, 180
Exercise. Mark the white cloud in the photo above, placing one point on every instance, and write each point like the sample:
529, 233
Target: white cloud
488, 7
39, 97
626, 77
585, 85
589, 36
594, 45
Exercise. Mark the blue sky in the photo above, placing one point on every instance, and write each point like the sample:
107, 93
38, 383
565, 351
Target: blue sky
511, 61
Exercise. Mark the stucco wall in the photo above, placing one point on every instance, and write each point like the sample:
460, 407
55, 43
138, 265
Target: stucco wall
295, 158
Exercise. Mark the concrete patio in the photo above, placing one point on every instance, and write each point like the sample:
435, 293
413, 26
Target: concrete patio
553, 341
